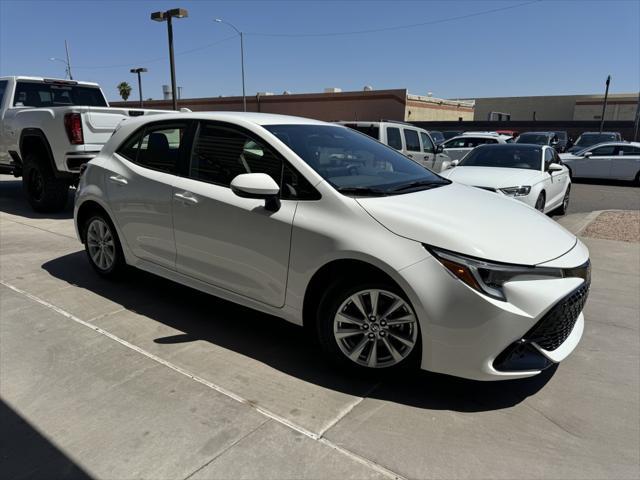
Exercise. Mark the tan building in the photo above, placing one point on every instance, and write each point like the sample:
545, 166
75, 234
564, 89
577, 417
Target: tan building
620, 106
333, 105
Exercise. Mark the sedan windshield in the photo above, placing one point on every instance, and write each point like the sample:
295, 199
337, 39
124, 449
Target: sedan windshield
586, 140
504, 156
534, 138
353, 163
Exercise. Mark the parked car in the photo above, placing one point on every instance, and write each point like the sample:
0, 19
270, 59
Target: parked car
48, 129
509, 133
437, 136
613, 160
411, 141
457, 147
385, 261
564, 142
538, 138
529, 173
588, 139
447, 134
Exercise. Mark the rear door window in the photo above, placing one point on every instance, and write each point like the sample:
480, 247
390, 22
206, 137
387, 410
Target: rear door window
3, 87
157, 147
393, 138
629, 150
412, 140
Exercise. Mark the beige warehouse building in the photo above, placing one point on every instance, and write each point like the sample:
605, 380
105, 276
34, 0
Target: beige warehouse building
334, 104
620, 106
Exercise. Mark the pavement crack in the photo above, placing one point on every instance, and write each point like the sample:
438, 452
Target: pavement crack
555, 422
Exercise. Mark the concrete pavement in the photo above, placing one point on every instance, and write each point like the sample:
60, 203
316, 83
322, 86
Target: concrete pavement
148, 379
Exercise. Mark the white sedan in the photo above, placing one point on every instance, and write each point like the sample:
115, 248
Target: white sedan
611, 160
533, 174
457, 147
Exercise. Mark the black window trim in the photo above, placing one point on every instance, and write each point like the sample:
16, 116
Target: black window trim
257, 138
163, 124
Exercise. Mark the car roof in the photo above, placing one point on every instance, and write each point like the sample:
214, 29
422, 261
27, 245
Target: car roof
48, 79
617, 144
539, 133
478, 135
251, 117
513, 145
600, 133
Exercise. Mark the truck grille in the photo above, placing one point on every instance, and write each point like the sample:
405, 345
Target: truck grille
554, 328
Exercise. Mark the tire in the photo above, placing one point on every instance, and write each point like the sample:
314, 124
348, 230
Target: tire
370, 344
562, 209
103, 247
44, 191
541, 202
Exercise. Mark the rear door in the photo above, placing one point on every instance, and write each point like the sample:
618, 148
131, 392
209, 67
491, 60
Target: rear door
557, 180
139, 188
626, 164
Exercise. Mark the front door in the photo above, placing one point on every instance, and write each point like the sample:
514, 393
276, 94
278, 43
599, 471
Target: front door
139, 187
598, 165
429, 152
231, 242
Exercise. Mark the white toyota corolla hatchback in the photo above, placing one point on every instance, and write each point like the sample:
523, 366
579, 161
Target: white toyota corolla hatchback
533, 174
388, 263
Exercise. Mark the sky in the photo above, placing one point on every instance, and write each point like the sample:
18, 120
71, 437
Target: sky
454, 49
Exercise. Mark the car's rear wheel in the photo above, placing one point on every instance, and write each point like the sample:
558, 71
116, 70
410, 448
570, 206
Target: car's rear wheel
540, 202
368, 326
103, 246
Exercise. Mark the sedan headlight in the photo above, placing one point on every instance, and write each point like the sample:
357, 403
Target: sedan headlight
489, 277
521, 191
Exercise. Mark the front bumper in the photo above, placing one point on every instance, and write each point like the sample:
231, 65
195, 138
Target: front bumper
467, 334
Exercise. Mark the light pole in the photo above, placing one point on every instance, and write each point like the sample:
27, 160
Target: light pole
167, 16
604, 105
139, 70
244, 97
67, 62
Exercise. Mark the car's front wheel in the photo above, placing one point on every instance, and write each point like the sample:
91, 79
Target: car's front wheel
368, 326
562, 209
103, 246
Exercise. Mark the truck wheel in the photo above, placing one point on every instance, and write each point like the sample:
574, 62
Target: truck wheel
44, 191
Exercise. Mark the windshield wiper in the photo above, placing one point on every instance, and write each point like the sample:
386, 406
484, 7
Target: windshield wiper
368, 191
427, 184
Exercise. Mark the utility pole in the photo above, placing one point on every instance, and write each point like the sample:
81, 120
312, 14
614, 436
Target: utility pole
604, 105
139, 70
637, 123
66, 47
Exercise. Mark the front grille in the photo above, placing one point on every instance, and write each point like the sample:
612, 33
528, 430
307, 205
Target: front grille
554, 328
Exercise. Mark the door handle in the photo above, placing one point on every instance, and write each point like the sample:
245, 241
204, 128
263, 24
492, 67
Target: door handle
186, 197
409, 155
118, 179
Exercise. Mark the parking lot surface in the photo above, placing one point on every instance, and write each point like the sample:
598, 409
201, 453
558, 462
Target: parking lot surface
148, 379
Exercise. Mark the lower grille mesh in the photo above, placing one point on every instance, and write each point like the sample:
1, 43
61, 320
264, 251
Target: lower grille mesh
554, 328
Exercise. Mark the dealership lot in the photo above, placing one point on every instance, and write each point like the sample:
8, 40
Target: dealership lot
150, 379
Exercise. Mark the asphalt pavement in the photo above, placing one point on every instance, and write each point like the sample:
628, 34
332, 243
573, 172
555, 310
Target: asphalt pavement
148, 379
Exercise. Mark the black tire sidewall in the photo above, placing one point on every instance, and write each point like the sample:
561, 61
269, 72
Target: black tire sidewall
328, 306
544, 199
55, 191
118, 264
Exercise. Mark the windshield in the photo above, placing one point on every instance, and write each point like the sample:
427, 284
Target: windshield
588, 139
562, 136
33, 94
534, 138
504, 156
437, 136
353, 163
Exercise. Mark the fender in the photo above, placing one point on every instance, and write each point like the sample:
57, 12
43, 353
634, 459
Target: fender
37, 133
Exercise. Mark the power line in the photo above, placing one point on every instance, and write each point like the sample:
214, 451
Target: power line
157, 59
397, 27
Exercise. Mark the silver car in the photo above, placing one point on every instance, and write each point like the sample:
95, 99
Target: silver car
611, 160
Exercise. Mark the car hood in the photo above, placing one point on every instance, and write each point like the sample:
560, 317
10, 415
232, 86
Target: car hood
494, 177
473, 222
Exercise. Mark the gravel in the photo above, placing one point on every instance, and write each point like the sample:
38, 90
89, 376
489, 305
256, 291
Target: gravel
622, 225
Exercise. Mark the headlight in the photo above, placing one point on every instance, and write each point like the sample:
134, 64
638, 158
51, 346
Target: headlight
521, 191
489, 277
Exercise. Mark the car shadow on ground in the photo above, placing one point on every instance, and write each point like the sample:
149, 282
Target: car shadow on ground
602, 181
13, 202
281, 345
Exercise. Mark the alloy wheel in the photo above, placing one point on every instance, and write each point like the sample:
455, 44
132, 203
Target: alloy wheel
100, 244
375, 328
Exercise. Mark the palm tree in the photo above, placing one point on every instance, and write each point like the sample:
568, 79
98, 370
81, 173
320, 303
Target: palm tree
125, 90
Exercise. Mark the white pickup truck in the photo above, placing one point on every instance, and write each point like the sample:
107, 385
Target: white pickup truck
49, 128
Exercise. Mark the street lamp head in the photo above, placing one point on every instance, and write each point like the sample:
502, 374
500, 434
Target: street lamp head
177, 12
138, 70
158, 16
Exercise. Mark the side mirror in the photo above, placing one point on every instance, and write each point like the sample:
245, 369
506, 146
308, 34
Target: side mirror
257, 185
454, 163
587, 154
554, 167
439, 148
